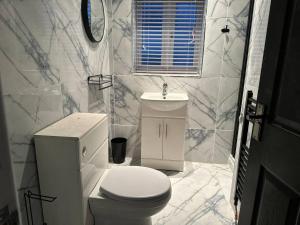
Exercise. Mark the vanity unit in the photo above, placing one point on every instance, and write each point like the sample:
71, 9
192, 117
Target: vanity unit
163, 130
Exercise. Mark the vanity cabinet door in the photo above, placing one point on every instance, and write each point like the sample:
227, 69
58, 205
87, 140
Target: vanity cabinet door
173, 142
152, 134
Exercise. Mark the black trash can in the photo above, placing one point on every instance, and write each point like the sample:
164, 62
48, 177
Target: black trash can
118, 146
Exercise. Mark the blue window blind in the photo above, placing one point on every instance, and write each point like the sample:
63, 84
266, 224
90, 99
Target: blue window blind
169, 36
152, 23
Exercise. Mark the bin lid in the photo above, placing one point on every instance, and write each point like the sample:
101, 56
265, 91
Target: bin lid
135, 183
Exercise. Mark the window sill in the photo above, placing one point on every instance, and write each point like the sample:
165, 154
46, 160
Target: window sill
195, 75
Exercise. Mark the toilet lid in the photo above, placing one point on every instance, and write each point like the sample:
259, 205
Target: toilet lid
135, 183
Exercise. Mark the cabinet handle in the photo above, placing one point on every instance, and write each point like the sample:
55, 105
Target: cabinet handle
84, 151
166, 130
159, 127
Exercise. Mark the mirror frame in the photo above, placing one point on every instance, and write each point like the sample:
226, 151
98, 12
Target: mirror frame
85, 20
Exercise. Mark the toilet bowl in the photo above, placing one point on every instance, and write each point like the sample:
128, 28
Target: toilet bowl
129, 195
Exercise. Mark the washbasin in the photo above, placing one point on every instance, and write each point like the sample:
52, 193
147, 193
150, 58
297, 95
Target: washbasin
171, 102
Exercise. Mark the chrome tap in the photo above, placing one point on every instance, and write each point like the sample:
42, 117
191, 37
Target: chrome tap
165, 90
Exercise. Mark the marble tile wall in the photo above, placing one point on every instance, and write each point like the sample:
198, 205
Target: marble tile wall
7, 194
213, 95
45, 59
254, 65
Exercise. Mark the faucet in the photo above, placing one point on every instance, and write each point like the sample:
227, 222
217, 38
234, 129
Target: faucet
165, 90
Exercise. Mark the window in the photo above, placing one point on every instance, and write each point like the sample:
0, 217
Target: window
168, 36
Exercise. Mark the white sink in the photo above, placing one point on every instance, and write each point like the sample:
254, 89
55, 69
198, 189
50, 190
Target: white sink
171, 102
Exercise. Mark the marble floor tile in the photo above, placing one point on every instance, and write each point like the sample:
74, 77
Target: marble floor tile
200, 196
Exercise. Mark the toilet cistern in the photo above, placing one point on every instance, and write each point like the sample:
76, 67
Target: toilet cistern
165, 90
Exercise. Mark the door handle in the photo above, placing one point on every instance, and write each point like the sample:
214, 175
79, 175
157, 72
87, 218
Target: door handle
84, 151
257, 119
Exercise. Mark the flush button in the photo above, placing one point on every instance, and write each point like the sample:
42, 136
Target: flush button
84, 151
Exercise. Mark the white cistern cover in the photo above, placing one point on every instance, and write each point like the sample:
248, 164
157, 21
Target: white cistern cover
135, 183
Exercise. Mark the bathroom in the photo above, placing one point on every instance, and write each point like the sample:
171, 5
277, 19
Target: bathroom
49, 58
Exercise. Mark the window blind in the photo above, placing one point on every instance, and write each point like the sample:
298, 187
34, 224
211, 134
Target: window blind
168, 36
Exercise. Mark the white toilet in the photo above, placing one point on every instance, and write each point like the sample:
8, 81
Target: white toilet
72, 158
129, 195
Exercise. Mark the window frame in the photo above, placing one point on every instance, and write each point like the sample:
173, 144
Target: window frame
181, 73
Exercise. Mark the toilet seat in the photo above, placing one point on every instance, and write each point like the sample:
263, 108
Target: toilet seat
129, 195
135, 183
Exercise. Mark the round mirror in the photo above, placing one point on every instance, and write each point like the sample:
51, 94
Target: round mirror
93, 17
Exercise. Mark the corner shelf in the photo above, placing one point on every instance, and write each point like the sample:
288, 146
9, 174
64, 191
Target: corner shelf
103, 81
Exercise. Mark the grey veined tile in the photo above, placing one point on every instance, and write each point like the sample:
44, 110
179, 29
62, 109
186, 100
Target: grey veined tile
122, 46
25, 175
202, 93
213, 47
227, 103
199, 145
32, 35
234, 47
202, 103
216, 8
127, 105
238, 8
223, 145
122, 8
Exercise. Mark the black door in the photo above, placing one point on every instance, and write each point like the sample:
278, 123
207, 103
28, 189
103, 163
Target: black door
272, 189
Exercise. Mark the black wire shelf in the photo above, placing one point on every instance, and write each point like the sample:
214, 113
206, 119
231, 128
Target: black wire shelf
102, 81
